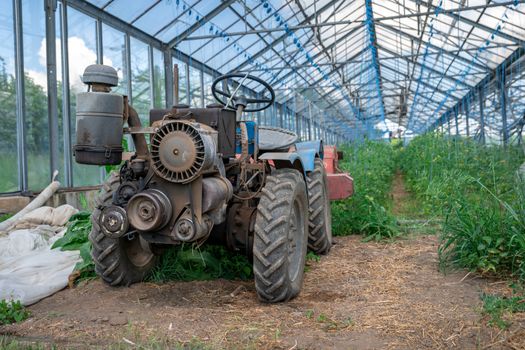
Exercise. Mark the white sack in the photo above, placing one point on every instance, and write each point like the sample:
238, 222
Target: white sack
29, 269
48, 216
35, 276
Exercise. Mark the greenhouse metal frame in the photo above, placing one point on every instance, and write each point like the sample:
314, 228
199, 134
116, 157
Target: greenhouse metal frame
342, 70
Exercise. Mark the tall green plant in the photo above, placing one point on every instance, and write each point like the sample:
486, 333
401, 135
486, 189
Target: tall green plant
372, 165
477, 191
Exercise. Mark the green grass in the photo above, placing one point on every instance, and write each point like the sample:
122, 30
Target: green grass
497, 307
12, 312
474, 189
182, 263
311, 256
187, 263
368, 211
5, 217
13, 344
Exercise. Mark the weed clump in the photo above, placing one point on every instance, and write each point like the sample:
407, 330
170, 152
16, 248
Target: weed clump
496, 307
12, 312
4, 217
187, 263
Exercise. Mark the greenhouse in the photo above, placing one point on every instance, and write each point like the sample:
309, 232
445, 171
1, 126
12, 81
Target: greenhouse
306, 174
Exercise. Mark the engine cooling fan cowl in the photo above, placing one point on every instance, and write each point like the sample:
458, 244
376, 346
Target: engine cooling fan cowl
181, 151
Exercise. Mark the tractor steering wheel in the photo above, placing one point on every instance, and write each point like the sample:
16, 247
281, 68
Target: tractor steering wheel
241, 99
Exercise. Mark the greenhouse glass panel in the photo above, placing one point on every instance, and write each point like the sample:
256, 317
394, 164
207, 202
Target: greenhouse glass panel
82, 52
159, 80
140, 79
114, 49
35, 80
8, 135
195, 88
208, 96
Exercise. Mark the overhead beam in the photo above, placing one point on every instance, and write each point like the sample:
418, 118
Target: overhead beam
362, 71
478, 25
335, 23
375, 57
194, 27
422, 83
336, 42
437, 48
489, 80
272, 30
420, 65
280, 39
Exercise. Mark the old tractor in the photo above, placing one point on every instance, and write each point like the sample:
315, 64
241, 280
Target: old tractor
202, 174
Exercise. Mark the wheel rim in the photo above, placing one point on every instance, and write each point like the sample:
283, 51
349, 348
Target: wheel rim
296, 238
136, 253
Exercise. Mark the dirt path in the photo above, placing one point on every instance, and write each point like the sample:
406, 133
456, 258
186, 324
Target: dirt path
399, 194
404, 204
361, 296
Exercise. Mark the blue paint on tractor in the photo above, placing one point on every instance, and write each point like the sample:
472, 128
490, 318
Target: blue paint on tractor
253, 137
306, 152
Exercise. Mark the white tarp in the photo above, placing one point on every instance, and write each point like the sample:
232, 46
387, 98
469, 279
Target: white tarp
29, 269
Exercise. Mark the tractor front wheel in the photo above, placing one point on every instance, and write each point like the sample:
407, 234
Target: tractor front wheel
320, 220
281, 235
118, 261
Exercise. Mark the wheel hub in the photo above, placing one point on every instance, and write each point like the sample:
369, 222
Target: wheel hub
114, 222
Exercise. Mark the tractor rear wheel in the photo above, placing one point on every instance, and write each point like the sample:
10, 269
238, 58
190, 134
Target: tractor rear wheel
118, 261
281, 235
319, 220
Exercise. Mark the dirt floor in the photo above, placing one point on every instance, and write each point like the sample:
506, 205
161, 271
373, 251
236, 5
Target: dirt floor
361, 296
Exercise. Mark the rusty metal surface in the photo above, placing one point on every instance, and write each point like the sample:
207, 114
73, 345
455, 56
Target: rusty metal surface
330, 159
340, 186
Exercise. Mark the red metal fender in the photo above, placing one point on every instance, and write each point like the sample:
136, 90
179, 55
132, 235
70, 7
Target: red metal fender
340, 185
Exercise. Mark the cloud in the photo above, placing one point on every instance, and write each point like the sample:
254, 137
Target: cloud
80, 56
40, 78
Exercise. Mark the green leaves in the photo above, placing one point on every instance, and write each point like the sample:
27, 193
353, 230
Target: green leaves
372, 166
77, 232
76, 238
5, 217
12, 312
186, 263
476, 189
496, 307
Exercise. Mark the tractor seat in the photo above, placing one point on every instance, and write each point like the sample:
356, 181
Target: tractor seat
273, 139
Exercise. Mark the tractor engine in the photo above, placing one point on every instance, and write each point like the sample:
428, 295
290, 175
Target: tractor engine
183, 164
173, 191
